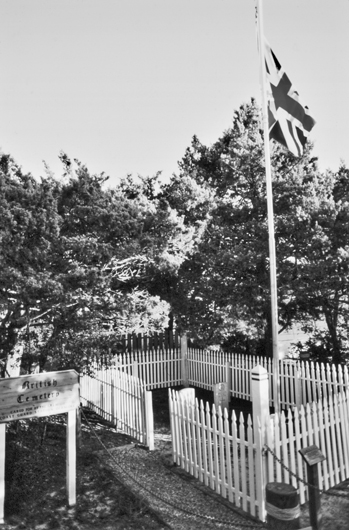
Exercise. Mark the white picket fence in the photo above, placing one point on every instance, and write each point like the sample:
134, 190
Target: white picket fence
220, 451
156, 368
232, 458
122, 399
324, 424
301, 382
226, 453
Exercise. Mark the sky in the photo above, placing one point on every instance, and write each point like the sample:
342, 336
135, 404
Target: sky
123, 85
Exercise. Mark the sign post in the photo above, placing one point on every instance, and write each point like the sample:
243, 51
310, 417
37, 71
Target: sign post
37, 395
71, 458
312, 457
2, 470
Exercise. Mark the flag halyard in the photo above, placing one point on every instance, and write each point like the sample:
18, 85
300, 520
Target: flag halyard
289, 120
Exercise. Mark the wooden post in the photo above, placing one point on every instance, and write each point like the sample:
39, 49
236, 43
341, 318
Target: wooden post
228, 379
298, 389
312, 457
2, 470
71, 457
78, 427
282, 504
260, 399
184, 361
149, 420
261, 422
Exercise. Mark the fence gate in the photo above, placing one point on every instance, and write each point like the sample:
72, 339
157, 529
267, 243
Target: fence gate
223, 453
121, 399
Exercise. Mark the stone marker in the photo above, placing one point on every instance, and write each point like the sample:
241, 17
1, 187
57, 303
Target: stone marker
221, 395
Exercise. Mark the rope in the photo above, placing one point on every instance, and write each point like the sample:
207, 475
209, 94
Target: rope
165, 501
299, 479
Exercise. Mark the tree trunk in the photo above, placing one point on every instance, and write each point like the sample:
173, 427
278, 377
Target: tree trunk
332, 325
15, 348
14, 359
268, 335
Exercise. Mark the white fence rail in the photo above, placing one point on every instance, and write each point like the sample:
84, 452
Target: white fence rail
121, 399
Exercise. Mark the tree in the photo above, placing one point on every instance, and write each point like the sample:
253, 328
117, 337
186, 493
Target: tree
321, 270
223, 288
30, 225
75, 259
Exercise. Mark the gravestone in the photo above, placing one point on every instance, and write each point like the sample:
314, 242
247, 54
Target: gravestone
188, 395
221, 395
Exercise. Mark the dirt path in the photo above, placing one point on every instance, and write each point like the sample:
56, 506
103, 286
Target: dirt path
182, 502
186, 504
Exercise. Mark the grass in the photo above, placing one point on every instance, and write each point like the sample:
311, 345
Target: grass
35, 490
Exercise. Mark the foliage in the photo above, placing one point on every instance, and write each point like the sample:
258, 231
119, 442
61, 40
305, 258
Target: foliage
222, 292
75, 260
82, 262
321, 271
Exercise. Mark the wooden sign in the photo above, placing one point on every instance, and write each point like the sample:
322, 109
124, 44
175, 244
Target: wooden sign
36, 395
312, 455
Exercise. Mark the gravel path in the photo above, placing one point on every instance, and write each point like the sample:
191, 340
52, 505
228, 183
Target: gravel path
182, 502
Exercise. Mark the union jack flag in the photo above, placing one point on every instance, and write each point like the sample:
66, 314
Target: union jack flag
289, 120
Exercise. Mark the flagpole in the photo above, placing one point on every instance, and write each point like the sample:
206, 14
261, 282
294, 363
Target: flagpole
272, 253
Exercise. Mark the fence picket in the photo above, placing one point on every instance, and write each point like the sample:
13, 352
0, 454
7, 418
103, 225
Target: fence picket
251, 467
284, 446
215, 449
209, 446
344, 416
199, 470
291, 446
328, 442
221, 438
270, 459
204, 442
228, 456
334, 445
315, 417
235, 462
277, 446
322, 445
340, 447
243, 484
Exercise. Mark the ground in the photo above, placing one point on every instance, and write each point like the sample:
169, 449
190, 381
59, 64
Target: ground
35, 480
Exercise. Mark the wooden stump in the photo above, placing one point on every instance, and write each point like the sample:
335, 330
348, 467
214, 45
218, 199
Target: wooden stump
282, 504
